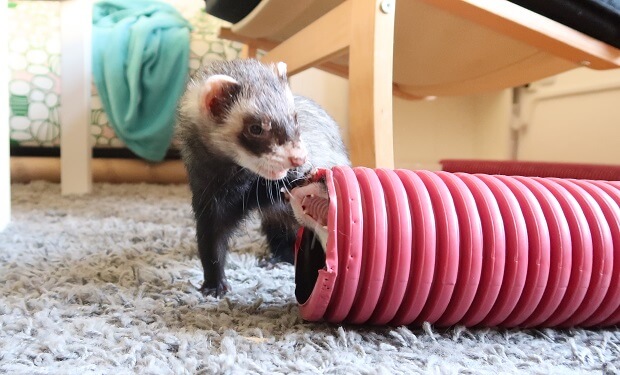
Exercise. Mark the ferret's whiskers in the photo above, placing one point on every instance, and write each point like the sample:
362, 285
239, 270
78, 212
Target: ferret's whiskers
243, 204
257, 198
278, 189
266, 166
245, 200
295, 180
286, 188
204, 206
270, 188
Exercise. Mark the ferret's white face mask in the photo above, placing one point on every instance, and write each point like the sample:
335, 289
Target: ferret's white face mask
276, 164
264, 138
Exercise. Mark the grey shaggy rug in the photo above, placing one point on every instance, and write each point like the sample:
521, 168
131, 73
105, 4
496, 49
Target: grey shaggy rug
107, 284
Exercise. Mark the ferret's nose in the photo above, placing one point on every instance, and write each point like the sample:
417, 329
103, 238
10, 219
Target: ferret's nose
297, 161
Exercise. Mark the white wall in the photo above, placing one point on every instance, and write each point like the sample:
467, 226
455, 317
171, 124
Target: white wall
492, 134
465, 127
428, 131
573, 117
424, 131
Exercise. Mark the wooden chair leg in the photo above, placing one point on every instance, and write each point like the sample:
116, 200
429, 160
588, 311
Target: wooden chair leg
75, 147
371, 141
249, 51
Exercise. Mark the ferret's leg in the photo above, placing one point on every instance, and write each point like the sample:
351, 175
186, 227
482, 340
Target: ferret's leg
214, 226
280, 229
212, 248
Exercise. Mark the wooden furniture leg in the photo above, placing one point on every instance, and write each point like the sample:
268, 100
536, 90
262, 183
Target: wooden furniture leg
364, 29
5, 170
371, 55
249, 51
76, 73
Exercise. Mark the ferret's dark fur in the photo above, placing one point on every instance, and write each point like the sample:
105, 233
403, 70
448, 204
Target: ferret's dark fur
243, 137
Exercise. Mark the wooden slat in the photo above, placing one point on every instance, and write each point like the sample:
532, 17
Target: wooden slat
25, 169
249, 51
336, 69
268, 45
323, 40
263, 44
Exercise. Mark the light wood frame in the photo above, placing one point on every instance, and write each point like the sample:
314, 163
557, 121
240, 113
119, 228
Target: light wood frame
364, 29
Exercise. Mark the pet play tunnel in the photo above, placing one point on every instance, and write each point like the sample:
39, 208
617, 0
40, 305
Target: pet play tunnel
404, 247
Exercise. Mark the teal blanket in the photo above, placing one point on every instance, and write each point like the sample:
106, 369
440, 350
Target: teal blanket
140, 67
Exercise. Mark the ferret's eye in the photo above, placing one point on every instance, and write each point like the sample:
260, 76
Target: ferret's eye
256, 129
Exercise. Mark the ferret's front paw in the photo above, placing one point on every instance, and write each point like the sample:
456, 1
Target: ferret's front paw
272, 260
218, 290
286, 195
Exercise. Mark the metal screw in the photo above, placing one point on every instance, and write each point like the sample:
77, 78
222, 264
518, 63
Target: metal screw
387, 6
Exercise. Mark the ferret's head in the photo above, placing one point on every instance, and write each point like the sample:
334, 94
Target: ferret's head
245, 110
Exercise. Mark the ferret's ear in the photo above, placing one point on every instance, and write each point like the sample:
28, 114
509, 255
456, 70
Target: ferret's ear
280, 70
218, 94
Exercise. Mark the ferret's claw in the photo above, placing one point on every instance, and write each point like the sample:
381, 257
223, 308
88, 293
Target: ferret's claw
215, 291
285, 194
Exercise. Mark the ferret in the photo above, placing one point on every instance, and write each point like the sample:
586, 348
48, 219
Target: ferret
244, 137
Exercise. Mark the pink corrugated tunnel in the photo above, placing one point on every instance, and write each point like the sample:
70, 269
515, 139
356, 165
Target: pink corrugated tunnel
401, 247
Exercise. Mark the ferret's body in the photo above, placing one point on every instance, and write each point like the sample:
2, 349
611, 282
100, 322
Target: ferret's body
244, 137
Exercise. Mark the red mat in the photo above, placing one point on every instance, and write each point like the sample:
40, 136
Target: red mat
534, 169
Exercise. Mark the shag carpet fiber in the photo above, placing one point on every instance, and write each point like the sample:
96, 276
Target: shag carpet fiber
107, 283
